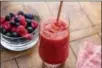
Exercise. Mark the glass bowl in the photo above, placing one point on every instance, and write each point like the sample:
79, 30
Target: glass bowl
20, 43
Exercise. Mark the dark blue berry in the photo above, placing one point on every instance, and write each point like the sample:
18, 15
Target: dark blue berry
16, 19
8, 34
12, 22
28, 21
25, 15
36, 18
20, 13
29, 16
30, 29
3, 31
1, 28
7, 18
14, 34
11, 14
17, 24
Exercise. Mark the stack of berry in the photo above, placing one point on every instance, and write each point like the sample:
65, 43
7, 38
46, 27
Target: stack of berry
18, 25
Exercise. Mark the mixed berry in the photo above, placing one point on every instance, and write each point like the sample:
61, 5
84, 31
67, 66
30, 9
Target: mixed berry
18, 25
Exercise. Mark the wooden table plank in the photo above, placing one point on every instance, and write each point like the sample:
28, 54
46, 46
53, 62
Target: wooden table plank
14, 7
79, 43
40, 7
9, 64
85, 32
34, 61
7, 55
71, 61
100, 34
78, 19
93, 11
28, 61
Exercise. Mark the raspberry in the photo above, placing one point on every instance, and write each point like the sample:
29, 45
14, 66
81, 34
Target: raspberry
28, 36
12, 18
22, 20
21, 30
7, 25
13, 29
34, 24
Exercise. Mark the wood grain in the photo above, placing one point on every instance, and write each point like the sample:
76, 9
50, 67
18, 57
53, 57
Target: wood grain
29, 61
34, 61
71, 61
9, 64
7, 7
95, 39
93, 11
85, 32
100, 34
40, 7
7, 55
72, 11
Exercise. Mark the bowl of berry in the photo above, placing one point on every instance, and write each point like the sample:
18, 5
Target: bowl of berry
19, 31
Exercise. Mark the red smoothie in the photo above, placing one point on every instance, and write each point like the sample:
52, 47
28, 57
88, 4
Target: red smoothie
54, 41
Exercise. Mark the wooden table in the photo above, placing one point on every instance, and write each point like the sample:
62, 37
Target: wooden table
85, 19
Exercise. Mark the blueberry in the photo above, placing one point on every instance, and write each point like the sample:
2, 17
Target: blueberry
28, 21
29, 16
1, 28
14, 34
3, 31
7, 18
25, 15
36, 18
11, 14
30, 29
20, 13
17, 24
16, 19
12, 22
8, 34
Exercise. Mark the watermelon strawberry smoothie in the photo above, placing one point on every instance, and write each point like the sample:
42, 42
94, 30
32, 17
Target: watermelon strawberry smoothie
54, 41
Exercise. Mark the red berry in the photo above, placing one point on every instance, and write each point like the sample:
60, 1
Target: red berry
28, 36
21, 30
6, 25
34, 24
13, 29
22, 20
2, 20
12, 18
